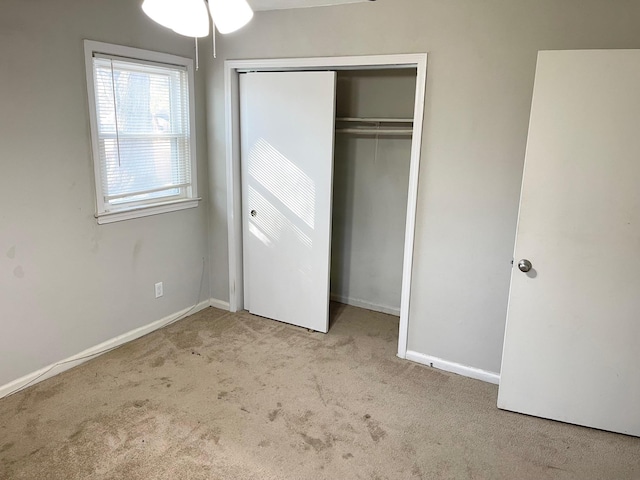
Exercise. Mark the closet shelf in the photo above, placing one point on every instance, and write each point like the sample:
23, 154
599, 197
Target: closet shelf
376, 131
375, 126
374, 120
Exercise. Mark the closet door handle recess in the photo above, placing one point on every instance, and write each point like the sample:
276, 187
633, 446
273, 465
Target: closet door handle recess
254, 213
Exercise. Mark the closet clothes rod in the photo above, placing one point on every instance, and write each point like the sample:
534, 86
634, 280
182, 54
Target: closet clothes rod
376, 131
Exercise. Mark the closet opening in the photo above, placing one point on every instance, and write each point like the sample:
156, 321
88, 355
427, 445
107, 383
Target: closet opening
372, 160
374, 129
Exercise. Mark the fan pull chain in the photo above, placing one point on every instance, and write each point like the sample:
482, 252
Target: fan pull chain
214, 41
197, 57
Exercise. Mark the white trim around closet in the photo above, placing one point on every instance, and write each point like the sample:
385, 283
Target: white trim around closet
232, 68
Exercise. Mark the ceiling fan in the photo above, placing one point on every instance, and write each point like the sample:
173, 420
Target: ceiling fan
191, 17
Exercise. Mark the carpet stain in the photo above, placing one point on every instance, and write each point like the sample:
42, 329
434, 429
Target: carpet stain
186, 339
350, 340
35, 452
319, 390
32, 427
317, 444
74, 436
6, 446
374, 428
166, 381
157, 362
302, 420
409, 449
24, 401
273, 414
41, 395
211, 435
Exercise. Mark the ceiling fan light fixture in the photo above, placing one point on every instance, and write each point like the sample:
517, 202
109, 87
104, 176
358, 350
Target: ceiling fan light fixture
185, 17
230, 15
193, 20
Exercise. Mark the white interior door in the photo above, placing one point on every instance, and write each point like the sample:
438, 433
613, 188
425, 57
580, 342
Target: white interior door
571, 346
287, 130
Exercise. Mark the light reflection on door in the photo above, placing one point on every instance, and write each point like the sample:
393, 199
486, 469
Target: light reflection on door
284, 180
283, 197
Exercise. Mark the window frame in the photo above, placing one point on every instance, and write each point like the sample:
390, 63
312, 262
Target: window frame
107, 213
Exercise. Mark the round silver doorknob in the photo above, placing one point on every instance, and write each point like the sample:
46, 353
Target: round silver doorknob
253, 213
524, 265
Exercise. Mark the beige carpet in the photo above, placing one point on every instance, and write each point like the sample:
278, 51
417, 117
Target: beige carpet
232, 396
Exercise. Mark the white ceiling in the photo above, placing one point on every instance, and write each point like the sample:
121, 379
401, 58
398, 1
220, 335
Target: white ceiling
281, 4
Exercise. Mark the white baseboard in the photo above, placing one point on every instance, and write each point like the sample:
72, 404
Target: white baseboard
453, 367
92, 352
222, 305
364, 304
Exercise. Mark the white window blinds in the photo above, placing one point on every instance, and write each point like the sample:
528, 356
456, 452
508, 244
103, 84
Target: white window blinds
143, 132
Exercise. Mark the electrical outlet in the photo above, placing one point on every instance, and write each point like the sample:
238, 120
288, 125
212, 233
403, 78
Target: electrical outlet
159, 290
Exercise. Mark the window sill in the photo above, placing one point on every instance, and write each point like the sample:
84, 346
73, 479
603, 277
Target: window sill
138, 212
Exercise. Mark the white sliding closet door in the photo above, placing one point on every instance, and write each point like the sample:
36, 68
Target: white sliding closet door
573, 327
287, 130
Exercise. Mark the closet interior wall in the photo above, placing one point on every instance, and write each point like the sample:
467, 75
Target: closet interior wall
371, 178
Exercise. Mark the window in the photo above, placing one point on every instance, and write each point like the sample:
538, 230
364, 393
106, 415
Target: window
141, 113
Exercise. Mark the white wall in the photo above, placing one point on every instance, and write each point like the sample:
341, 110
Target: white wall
66, 283
482, 57
370, 189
